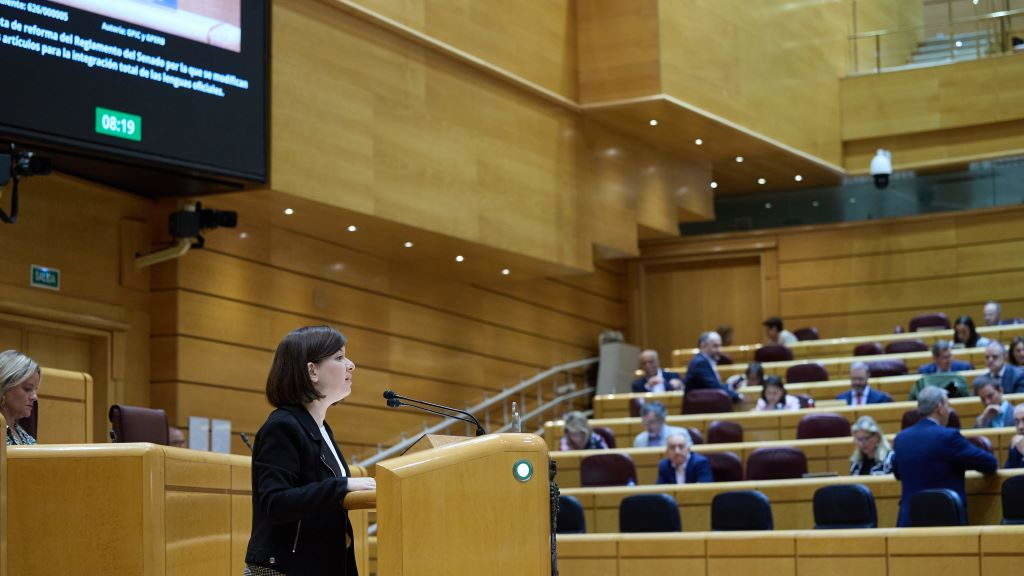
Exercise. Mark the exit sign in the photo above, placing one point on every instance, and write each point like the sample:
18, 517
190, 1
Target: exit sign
43, 277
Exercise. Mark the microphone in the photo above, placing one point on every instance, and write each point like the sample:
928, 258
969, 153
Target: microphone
395, 401
245, 440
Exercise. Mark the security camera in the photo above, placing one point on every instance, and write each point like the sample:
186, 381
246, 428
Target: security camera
881, 168
14, 166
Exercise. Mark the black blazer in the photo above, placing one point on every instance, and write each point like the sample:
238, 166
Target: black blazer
298, 524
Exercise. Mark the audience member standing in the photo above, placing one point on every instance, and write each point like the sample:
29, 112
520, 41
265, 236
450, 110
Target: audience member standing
656, 432
1010, 377
929, 455
871, 452
702, 373
942, 356
774, 397
681, 465
998, 413
655, 379
1015, 458
775, 333
578, 435
965, 335
860, 391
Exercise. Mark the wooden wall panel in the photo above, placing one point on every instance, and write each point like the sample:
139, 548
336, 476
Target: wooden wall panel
859, 278
533, 40
785, 90
618, 49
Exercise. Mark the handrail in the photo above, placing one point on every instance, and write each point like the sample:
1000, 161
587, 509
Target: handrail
487, 404
953, 21
547, 406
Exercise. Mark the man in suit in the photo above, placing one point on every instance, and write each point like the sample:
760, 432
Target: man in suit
998, 413
1015, 459
681, 465
1008, 375
942, 354
991, 313
656, 432
655, 379
701, 372
929, 455
860, 391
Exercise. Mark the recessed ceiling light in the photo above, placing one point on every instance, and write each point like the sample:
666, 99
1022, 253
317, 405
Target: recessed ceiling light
762, 181
739, 158
288, 211
352, 228
815, 203
653, 122
853, 200
505, 271
459, 258
243, 235
698, 142
408, 244
714, 185
768, 205
959, 44
798, 178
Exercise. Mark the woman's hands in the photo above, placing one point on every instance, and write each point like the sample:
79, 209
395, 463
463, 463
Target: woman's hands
357, 484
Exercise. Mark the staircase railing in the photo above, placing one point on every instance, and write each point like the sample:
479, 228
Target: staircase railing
549, 393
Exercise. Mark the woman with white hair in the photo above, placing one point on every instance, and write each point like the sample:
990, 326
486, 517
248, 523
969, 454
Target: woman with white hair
872, 454
19, 389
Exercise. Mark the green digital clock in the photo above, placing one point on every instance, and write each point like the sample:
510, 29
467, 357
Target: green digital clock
118, 124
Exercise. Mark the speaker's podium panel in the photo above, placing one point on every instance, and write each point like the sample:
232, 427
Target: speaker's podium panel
481, 506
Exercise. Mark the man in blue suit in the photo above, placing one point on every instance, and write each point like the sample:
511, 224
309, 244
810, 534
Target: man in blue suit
929, 455
1015, 459
860, 391
1009, 376
655, 379
942, 354
681, 465
701, 372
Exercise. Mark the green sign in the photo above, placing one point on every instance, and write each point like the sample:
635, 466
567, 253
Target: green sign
522, 470
118, 124
43, 277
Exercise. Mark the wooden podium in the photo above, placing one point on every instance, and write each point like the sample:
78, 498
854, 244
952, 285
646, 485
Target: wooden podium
480, 506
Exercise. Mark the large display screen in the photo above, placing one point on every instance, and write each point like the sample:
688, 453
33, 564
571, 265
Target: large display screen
171, 83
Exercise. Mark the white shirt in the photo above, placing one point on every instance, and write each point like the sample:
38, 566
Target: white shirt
854, 401
681, 472
660, 385
327, 439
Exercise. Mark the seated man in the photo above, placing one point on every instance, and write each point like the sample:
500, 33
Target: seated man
1015, 459
656, 432
701, 372
930, 455
681, 465
1009, 376
655, 379
776, 334
860, 391
998, 413
942, 354
991, 313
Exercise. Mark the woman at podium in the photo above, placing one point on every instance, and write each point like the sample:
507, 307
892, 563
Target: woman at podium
299, 476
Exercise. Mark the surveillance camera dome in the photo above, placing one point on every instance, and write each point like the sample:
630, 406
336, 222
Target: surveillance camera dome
881, 168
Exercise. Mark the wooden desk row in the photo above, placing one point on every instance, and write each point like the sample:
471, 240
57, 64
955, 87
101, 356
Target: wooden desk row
844, 346
776, 425
791, 500
617, 405
960, 551
823, 454
839, 367
146, 510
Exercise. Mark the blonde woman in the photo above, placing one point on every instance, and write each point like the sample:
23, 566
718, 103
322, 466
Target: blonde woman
578, 434
19, 389
872, 455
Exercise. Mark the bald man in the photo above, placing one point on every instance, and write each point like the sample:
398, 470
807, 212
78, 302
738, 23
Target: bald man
655, 379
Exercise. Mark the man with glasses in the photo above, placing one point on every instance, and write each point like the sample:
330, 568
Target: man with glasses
1008, 376
860, 392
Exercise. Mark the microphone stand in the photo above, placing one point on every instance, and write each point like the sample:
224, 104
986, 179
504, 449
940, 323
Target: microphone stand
396, 401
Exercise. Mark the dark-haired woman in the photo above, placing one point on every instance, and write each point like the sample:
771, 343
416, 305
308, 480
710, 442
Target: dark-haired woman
1016, 353
299, 476
774, 397
965, 335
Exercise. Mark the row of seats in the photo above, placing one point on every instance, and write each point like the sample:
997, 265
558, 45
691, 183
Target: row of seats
840, 506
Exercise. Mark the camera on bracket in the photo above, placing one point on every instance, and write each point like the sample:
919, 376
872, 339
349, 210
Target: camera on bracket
881, 168
190, 222
14, 166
